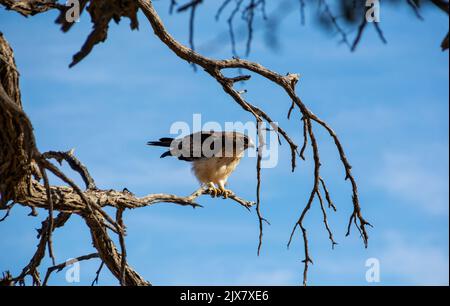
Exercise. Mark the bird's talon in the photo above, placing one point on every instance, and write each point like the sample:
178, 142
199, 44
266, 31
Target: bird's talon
214, 192
226, 193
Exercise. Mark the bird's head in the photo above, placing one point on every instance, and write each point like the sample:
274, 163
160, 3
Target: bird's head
244, 141
236, 143
248, 142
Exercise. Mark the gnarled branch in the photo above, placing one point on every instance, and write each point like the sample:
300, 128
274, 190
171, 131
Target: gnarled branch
288, 83
24, 166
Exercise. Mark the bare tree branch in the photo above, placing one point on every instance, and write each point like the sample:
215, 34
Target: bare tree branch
23, 184
444, 6
31, 7
61, 266
74, 163
288, 82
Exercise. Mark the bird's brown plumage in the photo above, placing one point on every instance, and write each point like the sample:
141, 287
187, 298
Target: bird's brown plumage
214, 155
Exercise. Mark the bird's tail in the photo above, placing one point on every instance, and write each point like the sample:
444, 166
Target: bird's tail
163, 142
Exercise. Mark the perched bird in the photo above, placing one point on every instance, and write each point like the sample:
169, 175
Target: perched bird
214, 156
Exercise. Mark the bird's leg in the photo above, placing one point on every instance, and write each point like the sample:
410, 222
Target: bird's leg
223, 191
213, 191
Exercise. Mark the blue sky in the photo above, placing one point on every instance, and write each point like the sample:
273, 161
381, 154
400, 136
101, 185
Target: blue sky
388, 103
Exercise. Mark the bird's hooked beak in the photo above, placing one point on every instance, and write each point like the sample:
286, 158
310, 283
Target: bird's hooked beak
251, 144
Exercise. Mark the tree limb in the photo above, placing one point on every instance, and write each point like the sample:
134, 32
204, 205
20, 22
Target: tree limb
24, 166
288, 83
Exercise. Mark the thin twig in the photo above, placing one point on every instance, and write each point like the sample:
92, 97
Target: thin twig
50, 214
119, 220
97, 274
61, 266
325, 220
327, 195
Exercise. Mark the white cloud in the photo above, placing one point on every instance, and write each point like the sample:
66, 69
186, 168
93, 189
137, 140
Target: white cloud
404, 260
411, 178
415, 262
223, 271
389, 118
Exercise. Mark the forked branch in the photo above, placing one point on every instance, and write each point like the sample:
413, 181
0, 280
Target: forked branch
23, 184
288, 83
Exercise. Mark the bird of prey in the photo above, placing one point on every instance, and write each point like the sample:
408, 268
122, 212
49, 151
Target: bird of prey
214, 156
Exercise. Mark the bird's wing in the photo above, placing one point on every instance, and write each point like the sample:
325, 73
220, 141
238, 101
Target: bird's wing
202, 145
197, 146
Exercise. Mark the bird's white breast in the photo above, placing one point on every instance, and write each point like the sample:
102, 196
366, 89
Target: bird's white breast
215, 169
